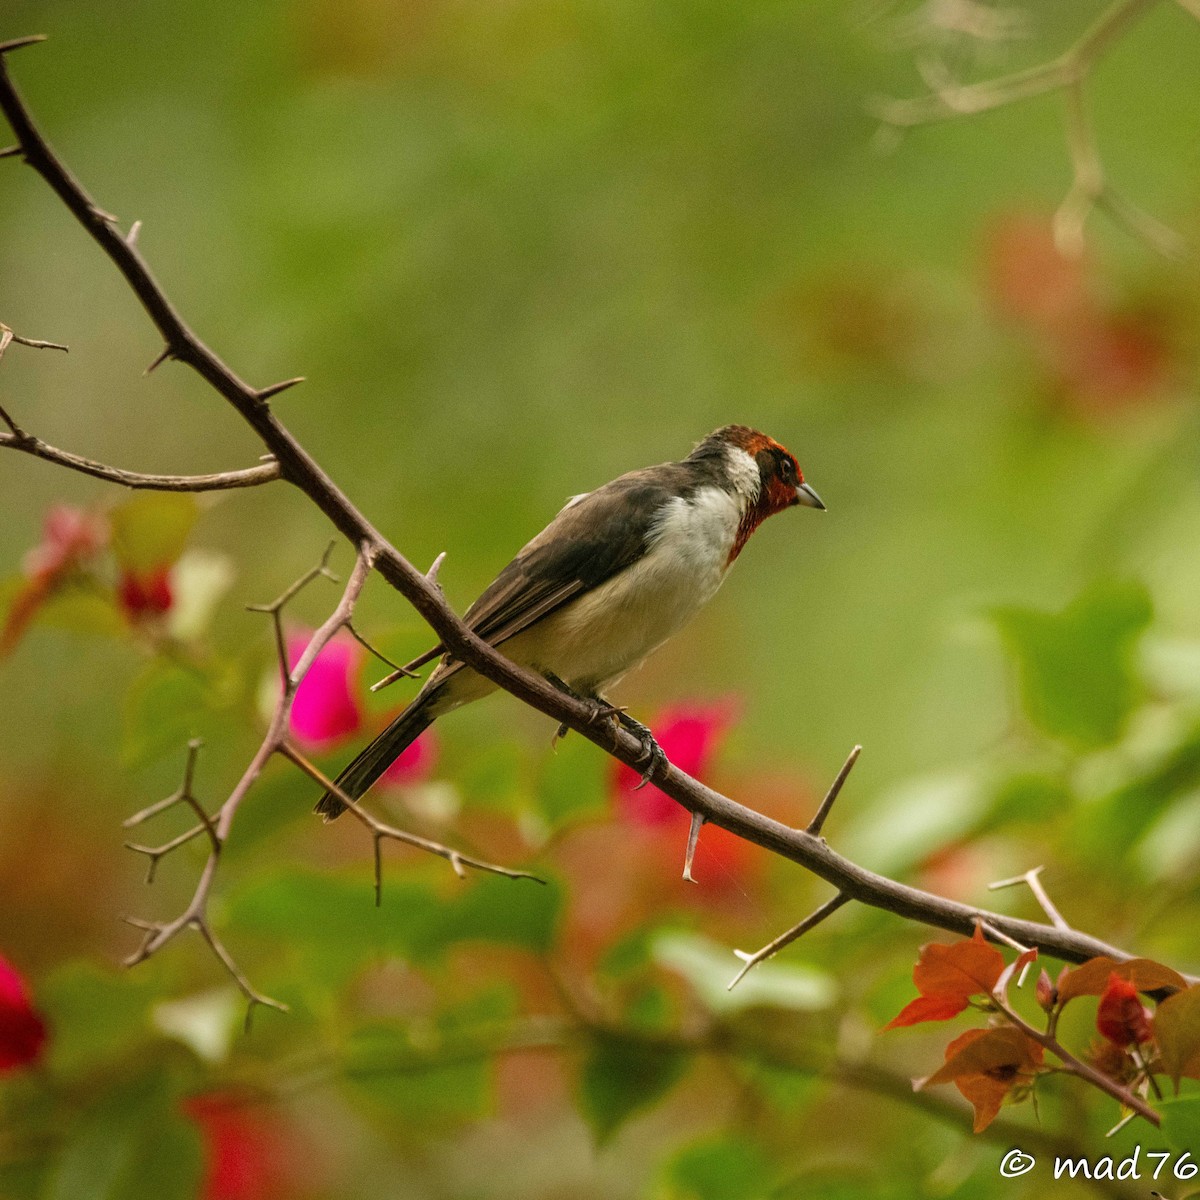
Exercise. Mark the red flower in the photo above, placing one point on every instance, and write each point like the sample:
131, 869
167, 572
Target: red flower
327, 709
246, 1152
690, 735
146, 594
22, 1031
415, 764
1121, 1017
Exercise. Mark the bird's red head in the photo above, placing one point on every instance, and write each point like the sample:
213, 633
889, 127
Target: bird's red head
780, 483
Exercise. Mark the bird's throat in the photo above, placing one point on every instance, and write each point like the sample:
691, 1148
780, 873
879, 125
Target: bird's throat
775, 497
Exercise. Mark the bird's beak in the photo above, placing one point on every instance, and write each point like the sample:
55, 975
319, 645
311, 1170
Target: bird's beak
806, 496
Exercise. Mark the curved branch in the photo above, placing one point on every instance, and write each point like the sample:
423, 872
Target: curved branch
299, 468
220, 481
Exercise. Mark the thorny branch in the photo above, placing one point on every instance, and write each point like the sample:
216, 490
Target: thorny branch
1068, 73
298, 467
275, 741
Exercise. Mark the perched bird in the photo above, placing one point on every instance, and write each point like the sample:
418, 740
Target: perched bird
612, 577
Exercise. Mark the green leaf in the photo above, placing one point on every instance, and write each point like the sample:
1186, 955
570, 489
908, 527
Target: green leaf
709, 969
432, 1073
1076, 666
132, 1143
151, 530
333, 922
620, 1077
571, 787
95, 1015
1181, 1121
719, 1168
171, 702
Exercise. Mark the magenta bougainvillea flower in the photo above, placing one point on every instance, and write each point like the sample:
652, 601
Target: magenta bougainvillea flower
22, 1030
327, 709
690, 735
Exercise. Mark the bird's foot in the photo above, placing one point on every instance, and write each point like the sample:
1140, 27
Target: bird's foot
602, 710
652, 753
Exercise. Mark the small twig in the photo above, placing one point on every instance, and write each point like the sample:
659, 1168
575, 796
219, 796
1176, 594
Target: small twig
217, 482
380, 831
999, 935
786, 939
1070, 1063
373, 650
1033, 882
156, 853
289, 679
814, 826
1068, 72
252, 994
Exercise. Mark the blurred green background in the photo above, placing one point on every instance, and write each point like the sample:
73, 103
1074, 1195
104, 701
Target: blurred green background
518, 247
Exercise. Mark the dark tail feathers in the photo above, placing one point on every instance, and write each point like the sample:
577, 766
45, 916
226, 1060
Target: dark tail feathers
378, 756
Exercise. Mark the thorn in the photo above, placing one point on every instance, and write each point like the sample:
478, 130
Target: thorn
11, 151
818, 821
432, 573
158, 362
18, 43
105, 216
275, 388
693, 839
132, 236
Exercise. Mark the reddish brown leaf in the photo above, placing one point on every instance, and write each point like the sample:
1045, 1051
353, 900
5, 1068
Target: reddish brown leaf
1177, 1029
928, 1008
947, 976
986, 1065
1121, 1017
1091, 978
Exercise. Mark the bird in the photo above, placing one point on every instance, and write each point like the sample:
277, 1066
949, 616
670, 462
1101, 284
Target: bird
615, 574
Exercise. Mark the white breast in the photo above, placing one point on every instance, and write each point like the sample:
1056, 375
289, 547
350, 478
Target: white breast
594, 640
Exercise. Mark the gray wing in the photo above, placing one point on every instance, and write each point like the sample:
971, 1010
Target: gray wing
595, 537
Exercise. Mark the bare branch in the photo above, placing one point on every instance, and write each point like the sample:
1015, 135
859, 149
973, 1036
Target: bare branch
1066, 73
381, 832
217, 482
1033, 882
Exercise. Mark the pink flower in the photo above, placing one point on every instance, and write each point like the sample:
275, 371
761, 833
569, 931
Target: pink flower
22, 1030
69, 535
327, 709
690, 735
415, 764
